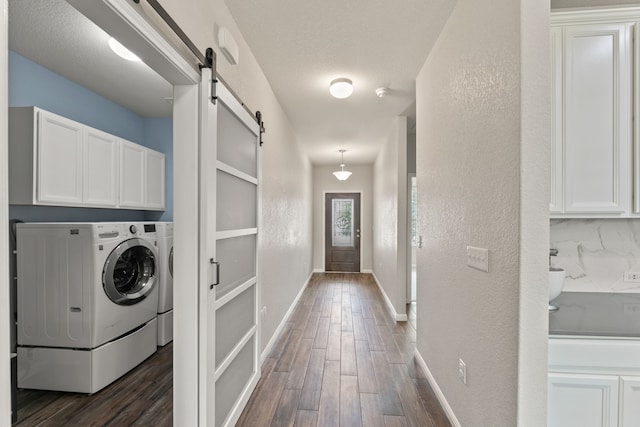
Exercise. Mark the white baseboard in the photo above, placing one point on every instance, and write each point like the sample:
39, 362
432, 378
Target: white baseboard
436, 389
367, 270
318, 270
285, 319
394, 313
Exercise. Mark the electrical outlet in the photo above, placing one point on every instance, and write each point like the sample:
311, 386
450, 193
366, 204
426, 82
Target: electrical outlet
478, 258
632, 276
462, 371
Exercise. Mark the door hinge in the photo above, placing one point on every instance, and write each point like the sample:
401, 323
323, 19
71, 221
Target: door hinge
214, 273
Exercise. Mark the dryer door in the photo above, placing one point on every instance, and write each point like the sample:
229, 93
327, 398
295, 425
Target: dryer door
130, 272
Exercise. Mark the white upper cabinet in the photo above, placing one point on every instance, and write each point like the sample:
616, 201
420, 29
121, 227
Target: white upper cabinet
59, 159
141, 177
132, 171
100, 169
59, 162
155, 180
597, 119
592, 118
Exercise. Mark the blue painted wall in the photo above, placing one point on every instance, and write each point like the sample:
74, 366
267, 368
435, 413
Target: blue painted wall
31, 84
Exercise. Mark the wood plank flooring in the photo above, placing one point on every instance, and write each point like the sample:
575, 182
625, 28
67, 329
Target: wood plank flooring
342, 361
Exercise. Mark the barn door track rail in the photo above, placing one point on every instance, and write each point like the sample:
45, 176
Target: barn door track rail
208, 60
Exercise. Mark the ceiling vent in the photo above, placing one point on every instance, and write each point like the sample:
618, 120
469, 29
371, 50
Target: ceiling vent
228, 46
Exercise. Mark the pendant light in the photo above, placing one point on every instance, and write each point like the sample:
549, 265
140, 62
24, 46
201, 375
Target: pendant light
342, 174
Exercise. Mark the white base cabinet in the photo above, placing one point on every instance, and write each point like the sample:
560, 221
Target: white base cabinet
55, 161
594, 382
583, 400
629, 401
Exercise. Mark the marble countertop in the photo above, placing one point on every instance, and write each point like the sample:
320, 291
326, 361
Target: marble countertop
596, 314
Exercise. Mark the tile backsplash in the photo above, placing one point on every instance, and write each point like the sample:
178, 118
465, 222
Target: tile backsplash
595, 253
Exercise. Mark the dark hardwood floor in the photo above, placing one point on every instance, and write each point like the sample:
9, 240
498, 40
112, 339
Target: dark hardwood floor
340, 361
142, 397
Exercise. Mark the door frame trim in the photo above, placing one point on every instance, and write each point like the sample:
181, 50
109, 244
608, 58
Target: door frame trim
324, 219
5, 340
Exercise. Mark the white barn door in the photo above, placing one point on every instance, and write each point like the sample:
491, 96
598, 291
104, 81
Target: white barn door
229, 321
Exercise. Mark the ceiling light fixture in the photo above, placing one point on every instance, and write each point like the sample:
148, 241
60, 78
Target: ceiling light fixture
341, 88
122, 51
342, 174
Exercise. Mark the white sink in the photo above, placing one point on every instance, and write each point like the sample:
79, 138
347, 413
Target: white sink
556, 282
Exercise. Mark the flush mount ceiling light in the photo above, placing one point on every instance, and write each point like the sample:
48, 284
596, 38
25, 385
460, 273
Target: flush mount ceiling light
122, 51
342, 174
341, 88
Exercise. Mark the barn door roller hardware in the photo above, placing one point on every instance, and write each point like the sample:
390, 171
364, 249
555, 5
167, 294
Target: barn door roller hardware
261, 124
206, 61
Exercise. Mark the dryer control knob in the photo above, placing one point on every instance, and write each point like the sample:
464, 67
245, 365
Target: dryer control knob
133, 229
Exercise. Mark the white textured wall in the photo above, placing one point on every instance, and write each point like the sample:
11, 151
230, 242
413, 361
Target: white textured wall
285, 247
479, 161
390, 216
361, 181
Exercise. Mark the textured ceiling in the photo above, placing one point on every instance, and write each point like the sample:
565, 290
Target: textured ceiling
55, 35
303, 45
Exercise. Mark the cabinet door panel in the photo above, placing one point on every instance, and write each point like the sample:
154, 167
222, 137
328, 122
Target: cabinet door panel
100, 168
580, 400
132, 175
597, 110
59, 160
630, 401
155, 180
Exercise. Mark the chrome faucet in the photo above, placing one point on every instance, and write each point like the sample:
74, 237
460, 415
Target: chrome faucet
552, 252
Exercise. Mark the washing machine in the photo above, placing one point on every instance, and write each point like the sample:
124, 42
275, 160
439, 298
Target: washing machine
165, 286
87, 303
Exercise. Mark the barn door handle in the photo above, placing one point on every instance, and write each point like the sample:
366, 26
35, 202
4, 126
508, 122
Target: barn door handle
214, 267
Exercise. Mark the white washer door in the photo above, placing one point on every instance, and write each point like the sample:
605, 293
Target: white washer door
129, 273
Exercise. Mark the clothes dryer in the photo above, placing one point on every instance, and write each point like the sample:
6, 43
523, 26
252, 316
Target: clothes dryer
87, 303
165, 286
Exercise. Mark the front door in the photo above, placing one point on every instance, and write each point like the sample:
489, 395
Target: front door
342, 232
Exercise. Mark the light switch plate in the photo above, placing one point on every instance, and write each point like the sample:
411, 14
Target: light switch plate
478, 258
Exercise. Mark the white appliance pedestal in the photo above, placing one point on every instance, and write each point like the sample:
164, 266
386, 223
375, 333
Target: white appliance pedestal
85, 371
165, 328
